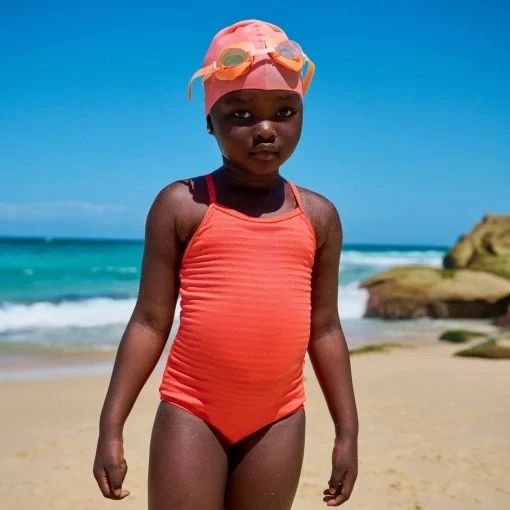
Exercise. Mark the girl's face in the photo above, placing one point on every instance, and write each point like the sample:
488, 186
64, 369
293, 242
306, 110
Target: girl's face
257, 130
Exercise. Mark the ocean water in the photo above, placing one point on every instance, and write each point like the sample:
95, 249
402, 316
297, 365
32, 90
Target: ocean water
77, 295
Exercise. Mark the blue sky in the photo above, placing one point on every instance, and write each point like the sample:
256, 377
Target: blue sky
407, 121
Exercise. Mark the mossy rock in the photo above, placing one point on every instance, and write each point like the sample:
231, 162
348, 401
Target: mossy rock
372, 348
495, 264
415, 282
485, 248
459, 255
411, 292
460, 336
495, 348
503, 321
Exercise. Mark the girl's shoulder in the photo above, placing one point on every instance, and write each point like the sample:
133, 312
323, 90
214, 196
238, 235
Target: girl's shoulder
321, 212
180, 206
183, 193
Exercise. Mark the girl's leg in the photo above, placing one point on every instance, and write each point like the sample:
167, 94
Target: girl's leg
266, 466
188, 463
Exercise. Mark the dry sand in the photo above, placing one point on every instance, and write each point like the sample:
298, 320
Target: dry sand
435, 435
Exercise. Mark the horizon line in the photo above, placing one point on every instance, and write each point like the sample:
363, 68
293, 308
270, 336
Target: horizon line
119, 240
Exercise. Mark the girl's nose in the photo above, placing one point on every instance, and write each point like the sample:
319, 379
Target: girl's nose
264, 131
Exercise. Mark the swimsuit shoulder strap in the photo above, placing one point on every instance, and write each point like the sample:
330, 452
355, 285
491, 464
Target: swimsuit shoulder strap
210, 188
295, 191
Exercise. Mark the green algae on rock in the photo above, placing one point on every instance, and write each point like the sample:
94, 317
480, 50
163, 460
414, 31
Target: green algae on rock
459, 336
495, 348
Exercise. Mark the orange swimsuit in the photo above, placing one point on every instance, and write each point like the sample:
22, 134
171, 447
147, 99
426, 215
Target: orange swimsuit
237, 359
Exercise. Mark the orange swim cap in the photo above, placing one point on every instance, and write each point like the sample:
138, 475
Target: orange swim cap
265, 73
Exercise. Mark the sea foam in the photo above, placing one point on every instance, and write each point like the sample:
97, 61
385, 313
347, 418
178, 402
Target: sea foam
82, 314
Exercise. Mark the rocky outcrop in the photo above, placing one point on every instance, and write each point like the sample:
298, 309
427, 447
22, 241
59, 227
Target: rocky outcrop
486, 248
412, 292
504, 320
474, 281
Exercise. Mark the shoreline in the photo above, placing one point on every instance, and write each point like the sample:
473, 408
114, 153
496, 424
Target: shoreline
30, 361
432, 428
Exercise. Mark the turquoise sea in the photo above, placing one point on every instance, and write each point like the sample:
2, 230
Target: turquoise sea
75, 296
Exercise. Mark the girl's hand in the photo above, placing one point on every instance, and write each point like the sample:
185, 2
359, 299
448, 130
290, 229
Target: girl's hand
344, 473
110, 467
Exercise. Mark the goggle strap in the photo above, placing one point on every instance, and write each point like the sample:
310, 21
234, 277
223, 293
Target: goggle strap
310, 70
201, 72
208, 70
262, 51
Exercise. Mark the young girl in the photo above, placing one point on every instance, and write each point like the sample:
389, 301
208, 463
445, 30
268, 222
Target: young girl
255, 260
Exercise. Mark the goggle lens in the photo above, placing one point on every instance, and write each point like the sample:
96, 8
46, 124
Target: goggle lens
232, 57
289, 49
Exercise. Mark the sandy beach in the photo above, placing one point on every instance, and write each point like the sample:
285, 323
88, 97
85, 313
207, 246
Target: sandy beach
434, 436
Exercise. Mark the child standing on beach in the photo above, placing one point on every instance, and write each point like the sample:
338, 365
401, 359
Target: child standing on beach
255, 260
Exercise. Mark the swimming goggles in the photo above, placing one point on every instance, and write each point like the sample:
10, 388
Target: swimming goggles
236, 60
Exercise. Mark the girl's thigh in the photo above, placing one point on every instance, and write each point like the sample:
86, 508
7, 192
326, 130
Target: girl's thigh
188, 463
267, 466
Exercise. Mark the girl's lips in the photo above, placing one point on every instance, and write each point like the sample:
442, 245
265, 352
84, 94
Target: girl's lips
265, 151
265, 155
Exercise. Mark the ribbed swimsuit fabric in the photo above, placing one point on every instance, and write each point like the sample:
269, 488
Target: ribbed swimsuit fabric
238, 356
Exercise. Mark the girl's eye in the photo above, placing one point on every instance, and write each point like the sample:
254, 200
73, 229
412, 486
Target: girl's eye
242, 114
285, 112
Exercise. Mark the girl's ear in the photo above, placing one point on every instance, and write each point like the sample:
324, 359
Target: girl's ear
209, 125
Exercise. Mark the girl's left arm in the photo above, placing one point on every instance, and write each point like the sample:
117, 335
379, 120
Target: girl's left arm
329, 356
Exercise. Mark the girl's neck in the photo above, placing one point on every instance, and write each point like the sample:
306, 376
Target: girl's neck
239, 178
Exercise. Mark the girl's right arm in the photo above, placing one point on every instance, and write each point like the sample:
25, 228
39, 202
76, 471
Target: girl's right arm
143, 341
